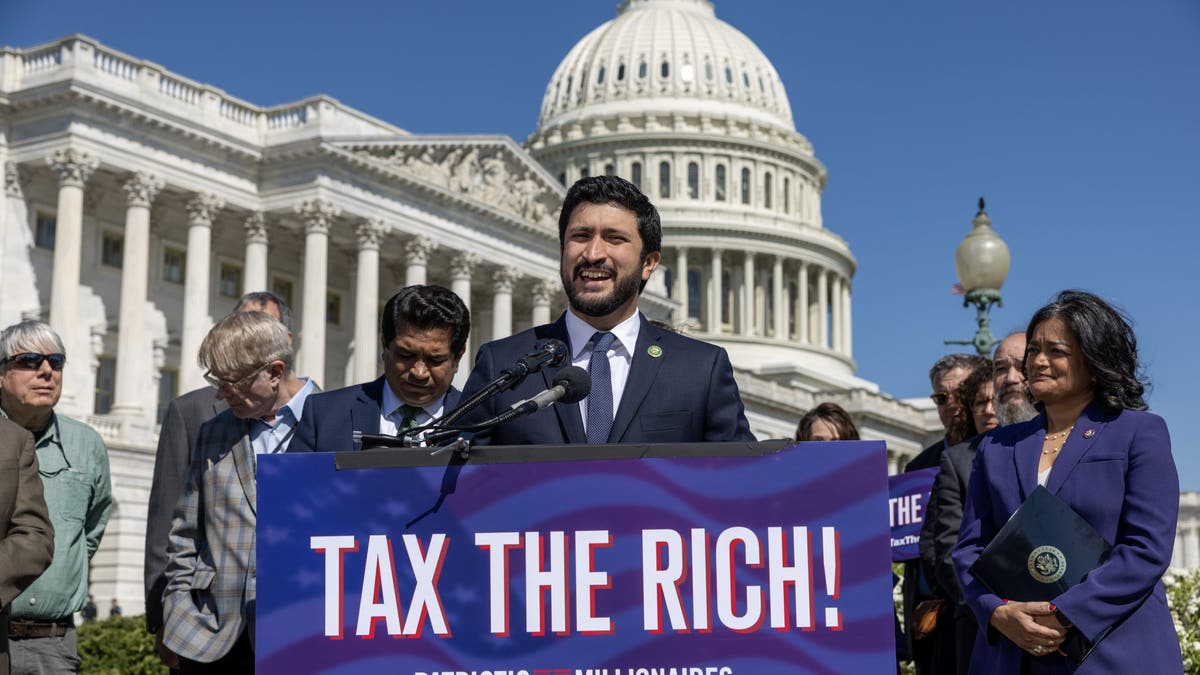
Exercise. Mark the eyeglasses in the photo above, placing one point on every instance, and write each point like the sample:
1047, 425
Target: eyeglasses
940, 398
235, 384
33, 361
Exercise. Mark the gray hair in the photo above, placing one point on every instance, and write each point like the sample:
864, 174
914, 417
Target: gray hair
243, 341
29, 335
264, 298
950, 362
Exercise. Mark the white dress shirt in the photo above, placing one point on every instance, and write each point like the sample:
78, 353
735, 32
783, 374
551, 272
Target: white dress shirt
390, 416
620, 354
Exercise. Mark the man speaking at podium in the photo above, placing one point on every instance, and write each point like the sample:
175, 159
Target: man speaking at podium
648, 385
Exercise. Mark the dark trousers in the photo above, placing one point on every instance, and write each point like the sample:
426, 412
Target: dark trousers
240, 659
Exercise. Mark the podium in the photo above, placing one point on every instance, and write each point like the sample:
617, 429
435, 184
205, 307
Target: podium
732, 558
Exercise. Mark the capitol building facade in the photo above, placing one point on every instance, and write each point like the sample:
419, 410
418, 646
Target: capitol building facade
138, 205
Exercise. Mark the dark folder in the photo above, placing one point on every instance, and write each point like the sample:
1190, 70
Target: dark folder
1044, 549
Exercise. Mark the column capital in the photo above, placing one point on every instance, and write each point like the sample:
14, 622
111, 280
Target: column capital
73, 167
318, 214
545, 289
203, 208
14, 182
255, 226
462, 265
417, 250
141, 188
505, 278
369, 233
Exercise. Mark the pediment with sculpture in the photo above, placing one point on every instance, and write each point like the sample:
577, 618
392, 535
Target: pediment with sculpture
495, 172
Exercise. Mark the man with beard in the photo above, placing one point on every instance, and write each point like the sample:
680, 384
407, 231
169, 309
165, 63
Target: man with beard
1013, 402
649, 385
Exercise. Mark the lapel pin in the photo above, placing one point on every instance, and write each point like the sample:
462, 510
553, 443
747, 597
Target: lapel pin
1089, 433
654, 351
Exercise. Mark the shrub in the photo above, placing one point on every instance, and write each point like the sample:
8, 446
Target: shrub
118, 646
1183, 597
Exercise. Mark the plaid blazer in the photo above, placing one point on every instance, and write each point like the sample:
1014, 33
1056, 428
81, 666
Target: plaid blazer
209, 598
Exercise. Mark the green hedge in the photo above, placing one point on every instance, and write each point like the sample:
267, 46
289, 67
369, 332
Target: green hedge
118, 646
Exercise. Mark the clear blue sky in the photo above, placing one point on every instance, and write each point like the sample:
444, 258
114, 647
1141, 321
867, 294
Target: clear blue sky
1079, 120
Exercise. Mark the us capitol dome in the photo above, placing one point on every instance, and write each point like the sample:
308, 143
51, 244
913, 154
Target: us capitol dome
687, 107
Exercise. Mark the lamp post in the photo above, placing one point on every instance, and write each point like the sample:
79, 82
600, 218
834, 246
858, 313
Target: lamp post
981, 262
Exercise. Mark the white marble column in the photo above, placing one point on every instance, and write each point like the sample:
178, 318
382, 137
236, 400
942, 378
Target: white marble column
366, 300
132, 374
73, 167
416, 259
318, 216
196, 321
681, 283
780, 304
1192, 545
802, 304
748, 295
835, 299
847, 342
543, 294
462, 266
715, 293
823, 308
504, 279
254, 277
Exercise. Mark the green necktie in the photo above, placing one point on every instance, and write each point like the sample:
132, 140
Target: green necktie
408, 417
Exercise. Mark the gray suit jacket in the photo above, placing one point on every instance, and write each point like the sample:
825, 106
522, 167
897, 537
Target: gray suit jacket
26, 535
209, 599
176, 441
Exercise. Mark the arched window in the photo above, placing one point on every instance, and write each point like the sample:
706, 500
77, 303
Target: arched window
609, 170
664, 180
570, 81
787, 195
665, 69
720, 183
635, 174
642, 70
600, 75
745, 186
767, 190
620, 72
708, 71
746, 79
728, 75
584, 171
693, 180
562, 178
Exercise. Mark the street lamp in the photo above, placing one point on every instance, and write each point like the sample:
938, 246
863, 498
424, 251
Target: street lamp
981, 262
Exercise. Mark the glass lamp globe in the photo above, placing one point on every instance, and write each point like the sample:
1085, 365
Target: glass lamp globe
982, 258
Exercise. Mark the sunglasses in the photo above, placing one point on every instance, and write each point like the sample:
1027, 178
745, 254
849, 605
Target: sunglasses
940, 398
235, 384
33, 361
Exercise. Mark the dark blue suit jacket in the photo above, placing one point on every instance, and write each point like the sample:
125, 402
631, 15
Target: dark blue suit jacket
1117, 472
687, 394
331, 418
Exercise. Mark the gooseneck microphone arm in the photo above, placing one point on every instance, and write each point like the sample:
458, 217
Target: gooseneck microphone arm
549, 352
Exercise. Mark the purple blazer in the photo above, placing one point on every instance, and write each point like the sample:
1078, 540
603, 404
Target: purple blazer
1117, 472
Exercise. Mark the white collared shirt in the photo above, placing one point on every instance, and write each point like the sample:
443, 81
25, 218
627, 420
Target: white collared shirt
620, 354
274, 438
390, 416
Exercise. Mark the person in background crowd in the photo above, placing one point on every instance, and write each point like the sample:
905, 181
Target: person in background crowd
176, 439
211, 588
26, 535
89, 611
423, 334
114, 610
944, 514
1013, 402
826, 422
1095, 447
73, 464
944, 377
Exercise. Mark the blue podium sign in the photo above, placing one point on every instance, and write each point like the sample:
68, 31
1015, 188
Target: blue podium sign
717, 565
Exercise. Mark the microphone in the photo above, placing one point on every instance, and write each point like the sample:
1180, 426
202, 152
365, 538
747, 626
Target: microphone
548, 352
571, 385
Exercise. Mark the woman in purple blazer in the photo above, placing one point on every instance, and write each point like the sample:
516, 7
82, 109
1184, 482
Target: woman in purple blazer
1095, 447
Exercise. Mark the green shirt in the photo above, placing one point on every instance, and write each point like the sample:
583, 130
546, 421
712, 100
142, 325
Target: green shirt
73, 463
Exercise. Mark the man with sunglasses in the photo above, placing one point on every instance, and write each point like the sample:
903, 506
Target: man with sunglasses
944, 377
73, 464
208, 605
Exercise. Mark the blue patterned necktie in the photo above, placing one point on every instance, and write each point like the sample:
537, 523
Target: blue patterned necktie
600, 400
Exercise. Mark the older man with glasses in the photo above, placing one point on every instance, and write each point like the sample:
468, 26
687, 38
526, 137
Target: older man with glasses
73, 464
210, 593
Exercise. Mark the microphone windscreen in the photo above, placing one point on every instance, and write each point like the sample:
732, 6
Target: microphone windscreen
557, 350
576, 382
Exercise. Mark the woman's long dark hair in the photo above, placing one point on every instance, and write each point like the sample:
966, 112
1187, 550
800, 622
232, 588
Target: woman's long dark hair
833, 415
1107, 344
